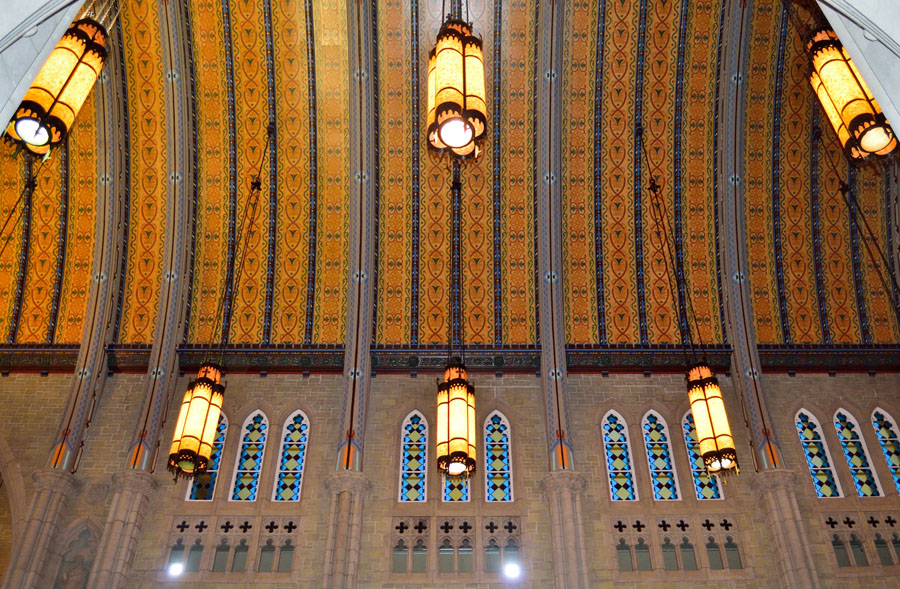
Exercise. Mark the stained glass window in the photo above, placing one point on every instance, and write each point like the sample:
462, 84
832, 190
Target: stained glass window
817, 459
856, 455
204, 486
705, 486
618, 458
659, 456
414, 458
497, 460
293, 456
886, 430
455, 488
250, 458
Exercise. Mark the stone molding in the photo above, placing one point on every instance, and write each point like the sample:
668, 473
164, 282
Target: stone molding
354, 482
56, 480
136, 481
563, 480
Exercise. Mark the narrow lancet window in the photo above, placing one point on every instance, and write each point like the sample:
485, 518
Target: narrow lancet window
817, 458
414, 458
857, 457
250, 458
659, 457
618, 458
293, 456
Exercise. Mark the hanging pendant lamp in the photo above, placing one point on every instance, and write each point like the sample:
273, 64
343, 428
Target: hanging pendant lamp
456, 422
711, 420
198, 421
456, 102
48, 111
846, 99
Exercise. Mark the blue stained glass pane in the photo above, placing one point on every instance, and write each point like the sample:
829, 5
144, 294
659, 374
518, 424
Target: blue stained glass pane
293, 456
662, 472
253, 445
412, 476
890, 444
618, 461
816, 457
456, 488
705, 486
205, 484
498, 473
856, 457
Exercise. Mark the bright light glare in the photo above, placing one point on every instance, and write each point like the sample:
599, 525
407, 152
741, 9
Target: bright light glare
456, 468
512, 570
32, 132
175, 569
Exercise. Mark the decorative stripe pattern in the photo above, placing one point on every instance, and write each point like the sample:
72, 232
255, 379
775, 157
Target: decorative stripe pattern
273, 172
854, 219
22, 272
821, 299
61, 241
598, 168
638, 188
12, 183
776, 177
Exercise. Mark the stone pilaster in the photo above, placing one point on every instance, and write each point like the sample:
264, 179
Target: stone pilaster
347, 491
775, 489
122, 530
563, 491
28, 563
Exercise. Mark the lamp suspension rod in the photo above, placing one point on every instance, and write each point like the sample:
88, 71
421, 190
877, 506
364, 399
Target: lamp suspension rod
30, 186
868, 240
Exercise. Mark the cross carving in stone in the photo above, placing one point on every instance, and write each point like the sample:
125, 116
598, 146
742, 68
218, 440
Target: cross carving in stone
491, 527
831, 522
872, 521
620, 526
638, 526
664, 526
226, 527
849, 522
182, 526
682, 525
401, 527
726, 524
889, 520
420, 527
446, 527
510, 527
290, 527
708, 525
465, 527
245, 527
272, 526
201, 526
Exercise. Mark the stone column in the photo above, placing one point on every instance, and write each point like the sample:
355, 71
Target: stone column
563, 490
28, 563
122, 529
773, 483
347, 491
775, 488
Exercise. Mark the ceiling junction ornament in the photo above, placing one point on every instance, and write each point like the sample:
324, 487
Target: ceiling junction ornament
457, 105
47, 112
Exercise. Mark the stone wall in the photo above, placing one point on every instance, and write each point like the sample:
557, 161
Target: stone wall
30, 426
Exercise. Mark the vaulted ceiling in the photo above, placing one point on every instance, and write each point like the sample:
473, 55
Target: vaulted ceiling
626, 65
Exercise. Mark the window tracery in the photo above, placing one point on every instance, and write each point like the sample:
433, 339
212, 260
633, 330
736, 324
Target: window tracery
414, 458
817, 457
886, 430
857, 456
705, 485
497, 458
618, 458
250, 458
294, 439
659, 458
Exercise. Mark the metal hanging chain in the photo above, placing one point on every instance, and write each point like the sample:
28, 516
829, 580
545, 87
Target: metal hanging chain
868, 240
29, 188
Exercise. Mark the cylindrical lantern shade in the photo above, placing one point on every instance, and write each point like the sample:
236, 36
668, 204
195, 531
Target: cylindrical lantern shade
48, 111
456, 422
711, 421
198, 420
846, 99
456, 100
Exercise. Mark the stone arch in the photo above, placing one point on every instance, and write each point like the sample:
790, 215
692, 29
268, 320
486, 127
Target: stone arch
76, 555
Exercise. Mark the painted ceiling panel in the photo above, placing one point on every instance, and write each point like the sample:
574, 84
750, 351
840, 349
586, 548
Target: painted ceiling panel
81, 225
580, 185
333, 100
47, 204
812, 277
13, 183
140, 23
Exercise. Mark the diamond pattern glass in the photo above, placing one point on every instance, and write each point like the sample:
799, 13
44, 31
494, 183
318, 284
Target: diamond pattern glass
497, 469
413, 463
253, 446
659, 456
204, 485
816, 457
293, 455
886, 431
857, 458
618, 459
705, 486
456, 488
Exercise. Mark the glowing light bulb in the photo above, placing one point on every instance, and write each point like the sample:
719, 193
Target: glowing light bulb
456, 133
512, 570
32, 132
175, 569
456, 468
